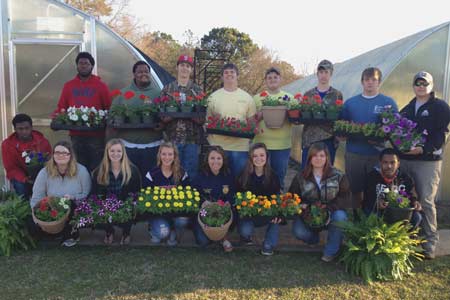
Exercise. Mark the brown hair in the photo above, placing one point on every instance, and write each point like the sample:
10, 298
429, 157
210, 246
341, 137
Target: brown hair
313, 150
205, 165
250, 169
105, 166
72, 169
371, 72
176, 165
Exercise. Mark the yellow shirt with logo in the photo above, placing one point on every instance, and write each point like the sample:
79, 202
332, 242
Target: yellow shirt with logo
278, 138
237, 104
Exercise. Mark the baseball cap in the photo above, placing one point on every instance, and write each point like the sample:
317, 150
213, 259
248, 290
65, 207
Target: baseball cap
425, 76
185, 59
325, 64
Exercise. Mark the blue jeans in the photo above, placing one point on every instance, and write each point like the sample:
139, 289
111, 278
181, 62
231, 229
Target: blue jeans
279, 162
331, 148
143, 159
189, 154
200, 237
247, 227
20, 188
335, 235
161, 228
236, 161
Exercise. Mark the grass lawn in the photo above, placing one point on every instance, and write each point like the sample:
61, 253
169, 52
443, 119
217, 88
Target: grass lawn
51, 272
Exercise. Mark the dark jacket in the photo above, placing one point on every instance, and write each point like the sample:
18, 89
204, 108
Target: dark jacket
256, 185
434, 117
215, 187
133, 186
375, 185
155, 177
334, 190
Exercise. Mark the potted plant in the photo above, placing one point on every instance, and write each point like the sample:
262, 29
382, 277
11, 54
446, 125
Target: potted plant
332, 110
215, 124
200, 102
117, 114
133, 114
316, 216
215, 219
305, 108
317, 108
34, 162
274, 109
172, 102
294, 108
148, 113
398, 205
51, 214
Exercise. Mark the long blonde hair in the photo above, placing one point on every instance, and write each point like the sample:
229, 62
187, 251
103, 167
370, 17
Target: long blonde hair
105, 166
72, 169
176, 165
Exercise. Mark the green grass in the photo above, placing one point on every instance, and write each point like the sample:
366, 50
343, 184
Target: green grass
188, 273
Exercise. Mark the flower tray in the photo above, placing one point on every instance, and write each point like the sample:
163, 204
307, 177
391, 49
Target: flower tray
58, 126
183, 115
359, 136
245, 135
133, 125
310, 121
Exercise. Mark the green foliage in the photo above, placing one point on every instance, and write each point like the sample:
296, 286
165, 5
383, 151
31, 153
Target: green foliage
13, 233
215, 214
378, 251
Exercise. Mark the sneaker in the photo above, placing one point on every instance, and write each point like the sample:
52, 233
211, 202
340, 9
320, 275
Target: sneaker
172, 241
227, 247
153, 239
247, 241
267, 252
328, 258
69, 242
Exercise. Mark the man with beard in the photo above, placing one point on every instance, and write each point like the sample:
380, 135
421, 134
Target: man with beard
141, 144
86, 90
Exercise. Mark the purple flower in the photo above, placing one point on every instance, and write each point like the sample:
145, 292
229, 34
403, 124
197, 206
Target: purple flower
425, 132
398, 142
203, 213
386, 129
286, 98
385, 120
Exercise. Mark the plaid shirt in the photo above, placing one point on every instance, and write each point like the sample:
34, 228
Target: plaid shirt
183, 131
115, 184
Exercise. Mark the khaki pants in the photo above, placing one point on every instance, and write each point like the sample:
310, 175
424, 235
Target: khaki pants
357, 167
426, 175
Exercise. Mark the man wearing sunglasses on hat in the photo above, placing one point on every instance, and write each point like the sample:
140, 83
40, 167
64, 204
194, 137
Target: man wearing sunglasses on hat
424, 163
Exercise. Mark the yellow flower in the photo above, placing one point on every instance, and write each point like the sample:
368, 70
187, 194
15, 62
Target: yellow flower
238, 207
169, 192
155, 192
169, 197
155, 198
148, 204
175, 204
167, 204
147, 192
180, 187
189, 196
195, 205
141, 198
189, 203
196, 193
175, 197
181, 197
142, 190
156, 187
162, 197
160, 205
197, 199
239, 194
188, 187
163, 190
181, 204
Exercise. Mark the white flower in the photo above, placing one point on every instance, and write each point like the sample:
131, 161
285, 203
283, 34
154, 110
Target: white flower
27, 160
24, 153
66, 206
73, 117
110, 219
93, 109
386, 190
101, 113
84, 109
84, 117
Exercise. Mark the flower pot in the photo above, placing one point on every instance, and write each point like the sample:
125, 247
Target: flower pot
118, 120
319, 115
395, 214
294, 113
214, 233
274, 116
186, 108
134, 119
199, 108
147, 119
332, 115
307, 115
52, 227
171, 109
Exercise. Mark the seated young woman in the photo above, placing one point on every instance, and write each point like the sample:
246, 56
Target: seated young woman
214, 182
116, 175
320, 182
167, 173
62, 177
260, 179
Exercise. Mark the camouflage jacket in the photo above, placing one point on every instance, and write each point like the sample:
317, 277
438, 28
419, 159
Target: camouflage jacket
183, 131
316, 133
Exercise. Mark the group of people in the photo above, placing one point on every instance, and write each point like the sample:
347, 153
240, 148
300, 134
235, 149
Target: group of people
169, 154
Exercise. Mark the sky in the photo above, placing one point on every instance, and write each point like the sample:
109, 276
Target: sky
299, 32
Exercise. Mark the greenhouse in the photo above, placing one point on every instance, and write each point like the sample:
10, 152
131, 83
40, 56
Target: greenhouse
39, 46
399, 61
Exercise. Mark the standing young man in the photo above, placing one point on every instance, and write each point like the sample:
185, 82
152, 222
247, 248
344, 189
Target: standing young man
329, 95
88, 90
424, 163
362, 156
231, 101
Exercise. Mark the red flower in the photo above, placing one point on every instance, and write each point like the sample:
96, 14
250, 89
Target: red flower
305, 98
264, 94
157, 100
318, 101
115, 93
298, 96
176, 94
339, 102
54, 213
143, 97
128, 95
220, 202
165, 98
189, 98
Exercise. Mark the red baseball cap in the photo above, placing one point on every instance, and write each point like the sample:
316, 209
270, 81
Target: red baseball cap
185, 59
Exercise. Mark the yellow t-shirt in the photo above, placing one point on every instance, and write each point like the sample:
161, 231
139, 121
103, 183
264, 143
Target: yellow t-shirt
237, 104
278, 138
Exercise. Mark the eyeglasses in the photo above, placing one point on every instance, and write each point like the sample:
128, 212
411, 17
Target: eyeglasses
421, 83
58, 153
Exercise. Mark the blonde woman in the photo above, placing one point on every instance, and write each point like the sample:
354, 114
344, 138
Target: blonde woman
62, 177
116, 175
167, 173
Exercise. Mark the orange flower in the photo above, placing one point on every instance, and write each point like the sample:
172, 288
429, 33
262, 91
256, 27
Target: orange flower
273, 202
244, 203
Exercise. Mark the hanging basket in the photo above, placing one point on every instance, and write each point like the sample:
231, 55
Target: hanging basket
52, 227
396, 214
214, 233
274, 116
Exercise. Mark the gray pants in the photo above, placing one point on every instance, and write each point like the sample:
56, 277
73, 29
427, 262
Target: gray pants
426, 175
357, 167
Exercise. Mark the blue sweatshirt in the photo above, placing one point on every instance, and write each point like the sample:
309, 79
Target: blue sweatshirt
155, 177
360, 109
215, 187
